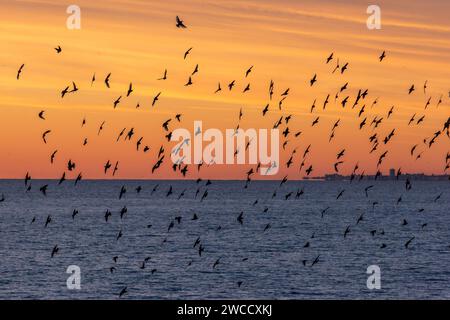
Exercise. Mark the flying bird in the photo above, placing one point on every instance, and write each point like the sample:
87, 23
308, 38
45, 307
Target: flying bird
187, 52
74, 87
409, 242
130, 89
55, 250
20, 71
107, 80
313, 80
180, 23
164, 77
248, 71
189, 83
330, 58
64, 91
44, 135
218, 88
195, 70
117, 101
123, 292
156, 98
344, 67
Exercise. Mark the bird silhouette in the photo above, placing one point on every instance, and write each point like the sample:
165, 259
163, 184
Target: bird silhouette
240, 218
330, 57
44, 135
20, 71
189, 82
164, 77
195, 70
409, 242
216, 263
180, 23
55, 250
117, 101
130, 89
313, 80
316, 260
155, 99
123, 292
74, 87
188, 51
108, 214
107, 80
218, 88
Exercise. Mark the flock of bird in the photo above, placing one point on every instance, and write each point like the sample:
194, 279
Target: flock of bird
379, 144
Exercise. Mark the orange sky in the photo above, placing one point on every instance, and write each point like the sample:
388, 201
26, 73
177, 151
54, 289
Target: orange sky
287, 41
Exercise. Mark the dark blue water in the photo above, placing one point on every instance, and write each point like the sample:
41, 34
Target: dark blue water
268, 263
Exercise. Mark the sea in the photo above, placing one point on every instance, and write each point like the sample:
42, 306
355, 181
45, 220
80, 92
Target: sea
292, 242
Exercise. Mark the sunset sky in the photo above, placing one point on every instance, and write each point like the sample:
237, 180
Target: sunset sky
287, 41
